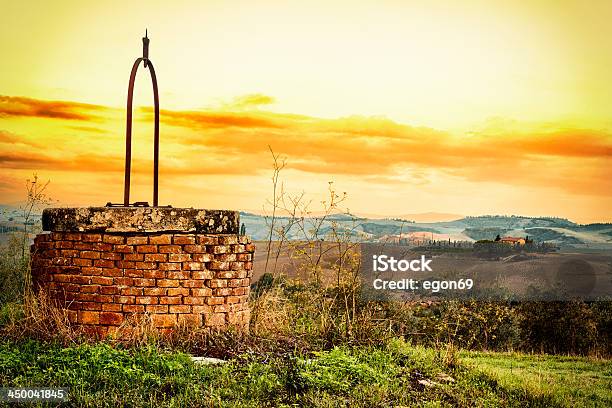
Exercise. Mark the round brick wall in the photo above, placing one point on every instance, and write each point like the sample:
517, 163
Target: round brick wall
103, 279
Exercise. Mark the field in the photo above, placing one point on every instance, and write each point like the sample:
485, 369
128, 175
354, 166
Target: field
395, 375
586, 275
568, 381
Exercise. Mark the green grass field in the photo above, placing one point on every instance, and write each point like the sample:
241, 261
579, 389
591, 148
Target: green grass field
398, 375
568, 381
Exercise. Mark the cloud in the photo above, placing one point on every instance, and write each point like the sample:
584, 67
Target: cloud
249, 101
12, 106
235, 142
571, 159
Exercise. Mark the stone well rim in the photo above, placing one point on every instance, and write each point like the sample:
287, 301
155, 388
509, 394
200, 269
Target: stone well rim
140, 220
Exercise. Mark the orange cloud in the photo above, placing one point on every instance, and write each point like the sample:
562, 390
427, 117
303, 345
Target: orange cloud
230, 142
20, 106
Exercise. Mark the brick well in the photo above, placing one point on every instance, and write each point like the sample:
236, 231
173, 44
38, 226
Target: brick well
115, 269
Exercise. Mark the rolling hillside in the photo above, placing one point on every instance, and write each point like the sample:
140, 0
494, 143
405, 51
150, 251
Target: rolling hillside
560, 231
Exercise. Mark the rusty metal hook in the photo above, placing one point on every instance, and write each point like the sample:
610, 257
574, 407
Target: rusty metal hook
128, 127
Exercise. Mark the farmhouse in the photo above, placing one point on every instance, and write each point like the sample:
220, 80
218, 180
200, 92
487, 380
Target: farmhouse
513, 241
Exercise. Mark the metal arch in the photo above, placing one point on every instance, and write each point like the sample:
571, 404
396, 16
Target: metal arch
128, 127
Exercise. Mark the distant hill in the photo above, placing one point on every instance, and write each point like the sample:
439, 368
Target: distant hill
559, 231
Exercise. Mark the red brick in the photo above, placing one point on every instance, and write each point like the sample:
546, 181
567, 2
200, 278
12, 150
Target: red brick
99, 246
214, 300
219, 249
194, 283
224, 275
131, 291
91, 270
217, 283
202, 275
248, 265
146, 249
169, 249
155, 291
94, 306
64, 244
144, 282
109, 290
164, 239
146, 300
175, 300
125, 264
193, 266
137, 240
178, 291
164, 320
90, 255
83, 246
113, 239
226, 257
219, 266
236, 266
221, 308
90, 288
193, 300
234, 283
179, 308
86, 317
167, 283
228, 239
201, 309
195, 249
104, 263
178, 275
104, 298
156, 257
237, 249
233, 299
169, 266
113, 256
133, 308
81, 280
111, 318
123, 281
156, 308
243, 257
214, 319
113, 272
91, 238
206, 240
202, 257
222, 291
125, 299
179, 257
71, 287
133, 257
244, 239
249, 247
154, 274
184, 239
201, 292
134, 273
124, 249
72, 236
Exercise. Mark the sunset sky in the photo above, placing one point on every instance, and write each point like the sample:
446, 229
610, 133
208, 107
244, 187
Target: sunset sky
472, 107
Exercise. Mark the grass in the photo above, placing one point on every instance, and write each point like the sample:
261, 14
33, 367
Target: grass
396, 375
568, 381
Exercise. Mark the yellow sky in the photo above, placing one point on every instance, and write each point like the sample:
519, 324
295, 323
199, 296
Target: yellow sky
463, 107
